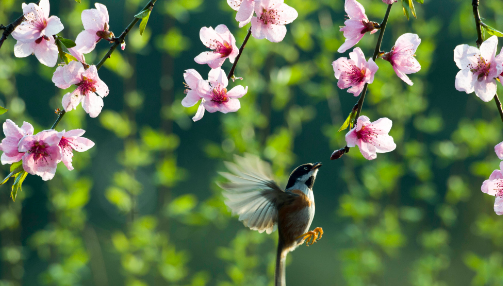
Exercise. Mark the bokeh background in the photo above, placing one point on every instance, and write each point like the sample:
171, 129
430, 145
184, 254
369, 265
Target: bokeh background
143, 208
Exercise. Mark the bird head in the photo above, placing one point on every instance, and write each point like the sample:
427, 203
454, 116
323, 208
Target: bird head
303, 176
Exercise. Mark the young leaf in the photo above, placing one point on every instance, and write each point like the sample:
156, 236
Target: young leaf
144, 22
70, 58
408, 8
15, 169
349, 121
420, 1
142, 14
78, 1
491, 31
67, 42
3, 110
17, 186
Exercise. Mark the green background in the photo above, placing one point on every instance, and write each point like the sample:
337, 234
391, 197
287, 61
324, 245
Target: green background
142, 207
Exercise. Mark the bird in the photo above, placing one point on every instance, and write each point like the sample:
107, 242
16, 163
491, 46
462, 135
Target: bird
262, 205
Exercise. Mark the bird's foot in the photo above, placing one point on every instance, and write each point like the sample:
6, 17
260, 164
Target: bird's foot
312, 236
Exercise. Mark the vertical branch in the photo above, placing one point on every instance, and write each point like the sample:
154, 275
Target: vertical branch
480, 40
231, 72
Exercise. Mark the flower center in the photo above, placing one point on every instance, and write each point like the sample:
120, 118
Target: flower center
86, 85
356, 75
225, 49
66, 146
269, 16
38, 151
219, 94
481, 69
366, 134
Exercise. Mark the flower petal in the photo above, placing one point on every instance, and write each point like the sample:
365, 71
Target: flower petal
92, 104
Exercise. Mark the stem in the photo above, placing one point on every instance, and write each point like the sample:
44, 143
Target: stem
118, 41
231, 72
478, 24
374, 57
10, 28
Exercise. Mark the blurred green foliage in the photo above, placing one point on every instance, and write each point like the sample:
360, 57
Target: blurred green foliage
142, 207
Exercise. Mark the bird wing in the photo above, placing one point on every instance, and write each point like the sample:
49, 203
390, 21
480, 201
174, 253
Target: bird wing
252, 194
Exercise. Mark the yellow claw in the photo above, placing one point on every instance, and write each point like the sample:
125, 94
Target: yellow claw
311, 236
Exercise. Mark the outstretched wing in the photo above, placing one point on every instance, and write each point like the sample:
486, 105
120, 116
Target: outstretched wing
252, 194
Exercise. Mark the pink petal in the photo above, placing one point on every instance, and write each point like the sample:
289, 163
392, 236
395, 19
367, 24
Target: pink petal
286, 14
341, 65
349, 43
488, 48
22, 50
47, 52
101, 88
234, 4
71, 100
485, 89
496, 175
199, 113
237, 92
46, 167
258, 28
402, 76
245, 11
50, 137
74, 133
362, 121
6, 159
10, 129
275, 33
78, 55
214, 60
465, 55
103, 10
45, 8
382, 125
407, 43
54, 26
192, 78
384, 144
232, 105
356, 89
58, 78
351, 138
27, 128
73, 72
191, 98
499, 150
86, 41
368, 150
354, 10
92, 104
217, 76
82, 144
92, 20
498, 205
465, 81
358, 57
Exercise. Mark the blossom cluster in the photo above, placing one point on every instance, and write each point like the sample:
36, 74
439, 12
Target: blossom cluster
479, 68
494, 185
38, 35
41, 152
356, 72
269, 22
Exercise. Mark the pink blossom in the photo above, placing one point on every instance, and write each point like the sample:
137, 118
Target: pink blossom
371, 138
90, 88
223, 44
70, 141
402, 55
354, 72
499, 150
272, 15
96, 27
356, 26
42, 153
214, 94
193, 93
78, 55
499, 59
123, 45
13, 135
479, 68
494, 187
245, 10
389, 1
35, 34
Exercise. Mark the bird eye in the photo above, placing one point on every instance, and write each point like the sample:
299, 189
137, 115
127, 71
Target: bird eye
305, 168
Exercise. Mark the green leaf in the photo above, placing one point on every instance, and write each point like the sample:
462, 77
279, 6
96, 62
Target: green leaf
67, 42
144, 22
420, 1
3, 110
349, 121
143, 14
408, 8
15, 169
491, 31
18, 185
69, 58
78, 1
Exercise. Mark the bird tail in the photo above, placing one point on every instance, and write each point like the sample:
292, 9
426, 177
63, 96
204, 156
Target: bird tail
279, 277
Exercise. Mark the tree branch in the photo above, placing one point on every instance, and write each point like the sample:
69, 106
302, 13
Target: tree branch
338, 153
10, 28
478, 24
117, 42
231, 72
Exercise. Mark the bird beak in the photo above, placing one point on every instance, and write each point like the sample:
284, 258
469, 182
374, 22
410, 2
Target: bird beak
316, 165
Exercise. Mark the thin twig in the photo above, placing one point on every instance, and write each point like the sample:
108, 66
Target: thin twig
480, 40
10, 28
338, 153
117, 42
231, 72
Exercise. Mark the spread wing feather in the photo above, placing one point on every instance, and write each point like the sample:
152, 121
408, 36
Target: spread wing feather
252, 194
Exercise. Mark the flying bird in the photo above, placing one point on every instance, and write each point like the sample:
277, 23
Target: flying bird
262, 205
